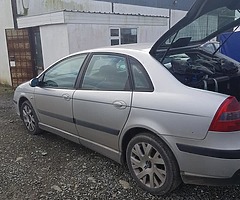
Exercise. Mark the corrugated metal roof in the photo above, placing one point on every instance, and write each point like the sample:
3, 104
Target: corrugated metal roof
169, 4
114, 13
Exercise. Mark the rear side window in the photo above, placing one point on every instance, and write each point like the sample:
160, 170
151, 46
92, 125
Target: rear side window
141, 80
107, 72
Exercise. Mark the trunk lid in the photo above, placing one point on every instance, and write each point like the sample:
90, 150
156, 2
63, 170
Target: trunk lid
200, 24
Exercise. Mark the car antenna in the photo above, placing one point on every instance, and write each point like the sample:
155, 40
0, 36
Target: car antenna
225, 40
166, 52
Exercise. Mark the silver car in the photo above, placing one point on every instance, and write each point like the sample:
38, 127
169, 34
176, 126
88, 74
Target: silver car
170, 111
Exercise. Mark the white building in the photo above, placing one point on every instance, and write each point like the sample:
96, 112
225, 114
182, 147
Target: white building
36, 33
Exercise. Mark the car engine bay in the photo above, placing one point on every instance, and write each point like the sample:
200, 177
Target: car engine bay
200, 69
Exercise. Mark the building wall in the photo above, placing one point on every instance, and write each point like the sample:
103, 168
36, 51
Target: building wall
143, 10
176, 15
150, 34
173, 14
159, 8
36, 7
42, 6
6, 22
77, 42
92, 30
169, 4
87, 36
55, 43
80, 32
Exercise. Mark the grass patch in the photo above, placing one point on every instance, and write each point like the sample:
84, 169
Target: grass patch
5, 89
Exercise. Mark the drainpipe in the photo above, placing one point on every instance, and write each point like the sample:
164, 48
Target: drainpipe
170, 18
170, 12
112, 7
14, 13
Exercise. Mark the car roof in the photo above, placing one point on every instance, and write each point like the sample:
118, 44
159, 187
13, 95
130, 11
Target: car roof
143, 47
129, 49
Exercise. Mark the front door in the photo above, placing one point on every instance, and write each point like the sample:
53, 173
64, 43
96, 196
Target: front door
54, 96
102, 105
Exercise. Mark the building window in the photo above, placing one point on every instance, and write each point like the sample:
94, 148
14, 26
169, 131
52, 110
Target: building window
123, 36
114, 32
114, 42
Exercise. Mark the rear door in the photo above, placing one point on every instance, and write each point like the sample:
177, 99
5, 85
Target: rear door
102, 105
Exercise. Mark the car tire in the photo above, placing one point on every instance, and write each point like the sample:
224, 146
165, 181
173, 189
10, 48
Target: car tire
29, 118
152, 164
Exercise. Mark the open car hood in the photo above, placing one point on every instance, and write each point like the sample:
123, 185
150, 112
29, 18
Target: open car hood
200, 24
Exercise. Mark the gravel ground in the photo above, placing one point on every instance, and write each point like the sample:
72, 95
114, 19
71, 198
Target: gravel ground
49, 167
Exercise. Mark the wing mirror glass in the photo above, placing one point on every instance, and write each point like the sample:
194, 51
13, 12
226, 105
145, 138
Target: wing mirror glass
34, 82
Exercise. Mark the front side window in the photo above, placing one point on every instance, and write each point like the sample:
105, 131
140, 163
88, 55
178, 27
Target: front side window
64, 73
106, 72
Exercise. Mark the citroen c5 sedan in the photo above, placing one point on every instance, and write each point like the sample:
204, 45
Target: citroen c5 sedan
169, 111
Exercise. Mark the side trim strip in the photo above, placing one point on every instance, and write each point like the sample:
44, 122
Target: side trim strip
61, 117
97, 127
216, 153
81, 123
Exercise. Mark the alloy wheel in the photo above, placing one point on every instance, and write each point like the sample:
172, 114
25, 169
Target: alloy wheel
28, 118
148, 165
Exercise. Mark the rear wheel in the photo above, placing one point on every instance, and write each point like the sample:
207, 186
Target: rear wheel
152, 164
29, 118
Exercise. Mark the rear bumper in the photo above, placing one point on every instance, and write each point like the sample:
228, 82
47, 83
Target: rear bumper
235, 179
215, 153
212, 161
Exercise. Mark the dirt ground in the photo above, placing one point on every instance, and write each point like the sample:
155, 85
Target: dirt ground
49, 167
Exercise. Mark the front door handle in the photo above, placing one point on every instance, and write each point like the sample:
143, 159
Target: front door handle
120, 105
66, 97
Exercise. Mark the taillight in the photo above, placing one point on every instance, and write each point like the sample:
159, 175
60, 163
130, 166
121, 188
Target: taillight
227, 118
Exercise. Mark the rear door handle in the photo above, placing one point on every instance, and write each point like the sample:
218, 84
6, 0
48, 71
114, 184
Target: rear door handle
66, 97
120, 105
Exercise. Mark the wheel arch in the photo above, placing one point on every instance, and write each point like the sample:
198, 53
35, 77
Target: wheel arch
132, 132
20, 102
170, 165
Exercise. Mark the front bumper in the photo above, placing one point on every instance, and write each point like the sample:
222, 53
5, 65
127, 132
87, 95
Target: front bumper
16, 107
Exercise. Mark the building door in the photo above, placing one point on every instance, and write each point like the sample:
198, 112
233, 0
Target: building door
35, 41
21, 53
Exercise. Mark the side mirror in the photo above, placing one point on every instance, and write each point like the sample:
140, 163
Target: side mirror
34, 82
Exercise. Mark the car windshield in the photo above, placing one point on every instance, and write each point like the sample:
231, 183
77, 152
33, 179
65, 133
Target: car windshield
207, 24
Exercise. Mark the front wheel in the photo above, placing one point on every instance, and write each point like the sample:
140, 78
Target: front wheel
29, 118
152, 164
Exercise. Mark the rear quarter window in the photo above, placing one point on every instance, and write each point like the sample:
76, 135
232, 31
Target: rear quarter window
141, 80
